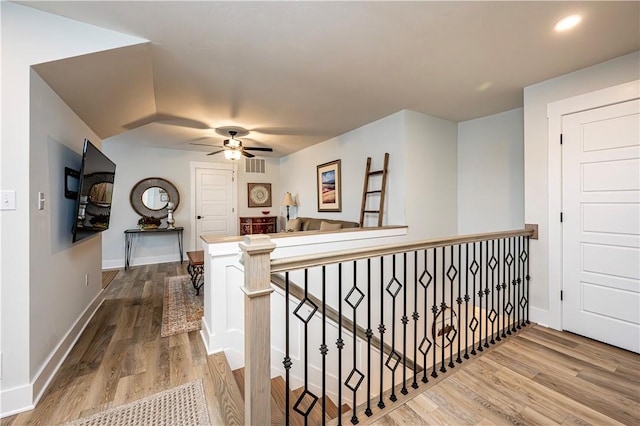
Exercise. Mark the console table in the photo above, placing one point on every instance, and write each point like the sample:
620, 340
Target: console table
258, 225
129, 235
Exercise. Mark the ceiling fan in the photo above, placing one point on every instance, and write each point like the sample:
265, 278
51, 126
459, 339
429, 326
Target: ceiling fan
233, 148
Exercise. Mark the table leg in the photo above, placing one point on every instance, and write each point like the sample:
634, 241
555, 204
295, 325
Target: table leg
127, 250
180, 245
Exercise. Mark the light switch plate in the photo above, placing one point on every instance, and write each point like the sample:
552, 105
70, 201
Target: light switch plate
7, 200
40, 200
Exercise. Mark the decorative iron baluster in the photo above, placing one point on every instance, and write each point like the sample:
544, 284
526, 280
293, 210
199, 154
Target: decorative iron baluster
528, 278
482, 313
425, 345
503, 284
434, 308
466, 302
443, 307
521, 298
452, 273
307, 400
369, 334
323, 347
509, 308
405, 322
486, 294
473, 324
415, 317
493, 263
339, 344
353, 299
498, 289
516, 284
381, 329
459, 301
393, 361
287, 359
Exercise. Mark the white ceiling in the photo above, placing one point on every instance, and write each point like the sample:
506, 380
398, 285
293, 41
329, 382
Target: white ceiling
298, 73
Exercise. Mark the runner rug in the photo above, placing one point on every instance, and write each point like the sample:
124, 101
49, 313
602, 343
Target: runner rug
182, 405
182, 310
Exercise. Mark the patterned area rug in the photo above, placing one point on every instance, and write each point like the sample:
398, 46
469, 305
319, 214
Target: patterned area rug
182, 405
182, 310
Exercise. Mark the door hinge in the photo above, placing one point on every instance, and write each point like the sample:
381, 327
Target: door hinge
561, 217
560, 138
561, 295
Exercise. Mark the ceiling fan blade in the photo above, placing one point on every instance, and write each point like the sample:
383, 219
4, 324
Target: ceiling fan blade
246, 154
216, 152
256, 148
205, 144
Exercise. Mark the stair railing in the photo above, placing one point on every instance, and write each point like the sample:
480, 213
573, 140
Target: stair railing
435, 303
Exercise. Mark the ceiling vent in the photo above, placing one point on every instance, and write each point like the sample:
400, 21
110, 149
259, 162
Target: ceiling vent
254, 165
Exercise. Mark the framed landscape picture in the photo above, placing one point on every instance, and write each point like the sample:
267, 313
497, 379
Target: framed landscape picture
329, 190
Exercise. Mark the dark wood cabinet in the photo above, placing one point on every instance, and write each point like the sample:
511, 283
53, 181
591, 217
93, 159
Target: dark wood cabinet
258, 225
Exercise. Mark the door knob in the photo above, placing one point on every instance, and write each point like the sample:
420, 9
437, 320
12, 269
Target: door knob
198, 217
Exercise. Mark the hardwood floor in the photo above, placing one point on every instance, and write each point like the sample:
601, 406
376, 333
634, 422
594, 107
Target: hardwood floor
121, 357
540, 376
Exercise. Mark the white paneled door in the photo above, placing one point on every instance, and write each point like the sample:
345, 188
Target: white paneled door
215, 212
601, 229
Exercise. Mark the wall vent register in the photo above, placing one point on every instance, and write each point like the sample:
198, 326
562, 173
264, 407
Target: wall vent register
254, 165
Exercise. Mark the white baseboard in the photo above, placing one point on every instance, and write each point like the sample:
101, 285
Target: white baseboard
24, 398
16, 400
139, 261
539, 316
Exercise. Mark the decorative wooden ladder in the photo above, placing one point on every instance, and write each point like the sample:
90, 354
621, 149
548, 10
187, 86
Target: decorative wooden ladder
381, 191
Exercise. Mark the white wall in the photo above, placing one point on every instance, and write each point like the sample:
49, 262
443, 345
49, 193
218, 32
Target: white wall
298, 170
536, 153
137, 162
272, 176
421, 181
31, 37
57, 267
431, 176
491, 173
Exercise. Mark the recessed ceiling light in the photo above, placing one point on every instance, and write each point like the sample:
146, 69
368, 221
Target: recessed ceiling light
567, 23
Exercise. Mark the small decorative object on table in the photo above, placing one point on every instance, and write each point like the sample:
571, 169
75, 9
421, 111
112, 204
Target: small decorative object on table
170, 219
148, 222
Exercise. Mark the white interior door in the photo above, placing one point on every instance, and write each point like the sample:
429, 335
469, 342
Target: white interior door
601, 232
214, 203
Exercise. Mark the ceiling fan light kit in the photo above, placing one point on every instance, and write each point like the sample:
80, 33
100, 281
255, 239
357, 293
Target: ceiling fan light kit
232, 148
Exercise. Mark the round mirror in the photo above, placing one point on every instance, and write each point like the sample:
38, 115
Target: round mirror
155, 198
150, 197
100, 194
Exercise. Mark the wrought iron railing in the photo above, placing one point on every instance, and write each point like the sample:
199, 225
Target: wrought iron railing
424, 307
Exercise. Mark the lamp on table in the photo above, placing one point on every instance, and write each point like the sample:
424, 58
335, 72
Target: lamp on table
288, 202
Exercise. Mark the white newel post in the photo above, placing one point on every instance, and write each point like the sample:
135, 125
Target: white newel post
256, 258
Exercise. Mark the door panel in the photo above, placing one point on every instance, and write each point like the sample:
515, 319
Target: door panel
215, 210
601, 229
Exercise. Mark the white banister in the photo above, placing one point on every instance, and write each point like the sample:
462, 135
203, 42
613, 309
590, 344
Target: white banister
256, 251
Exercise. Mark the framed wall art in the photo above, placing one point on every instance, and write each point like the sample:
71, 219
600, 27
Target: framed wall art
259, 194
329, 189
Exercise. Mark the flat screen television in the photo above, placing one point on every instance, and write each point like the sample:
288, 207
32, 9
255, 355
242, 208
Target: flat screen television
95, 191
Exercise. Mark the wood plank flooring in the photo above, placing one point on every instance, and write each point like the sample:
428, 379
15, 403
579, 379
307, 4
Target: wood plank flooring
121, 357
540, 376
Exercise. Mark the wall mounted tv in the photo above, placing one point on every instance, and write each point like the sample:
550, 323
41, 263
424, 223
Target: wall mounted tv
95, 191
